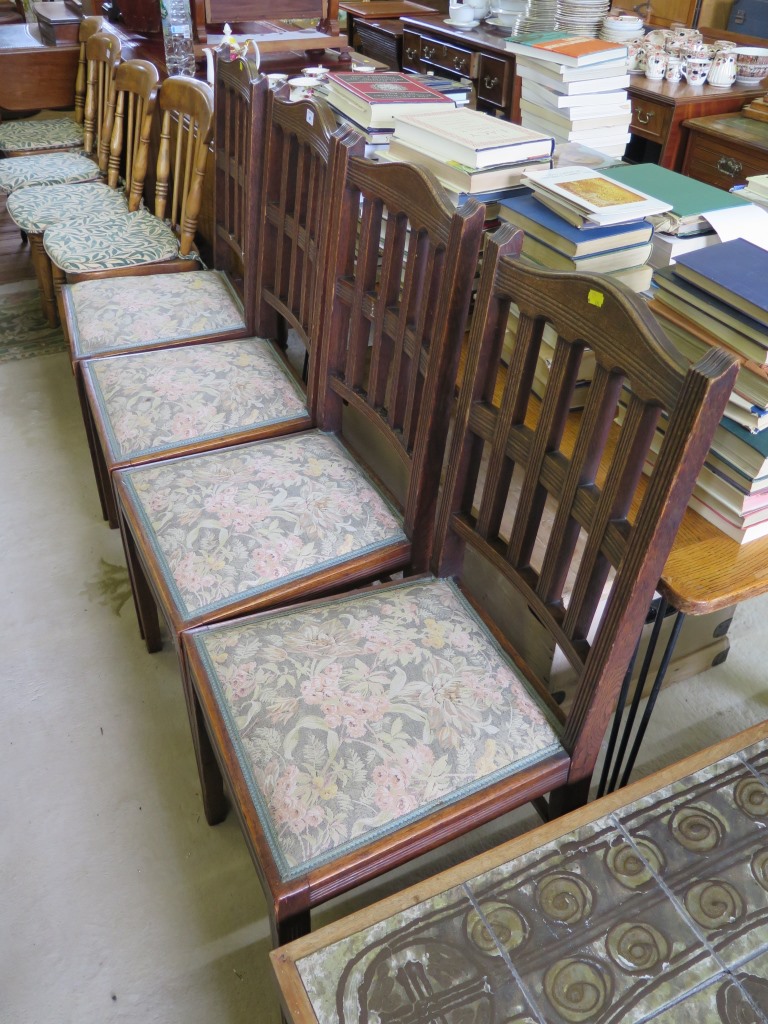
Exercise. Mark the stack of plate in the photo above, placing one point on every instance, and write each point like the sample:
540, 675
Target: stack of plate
621, 28
541, 16
584, 17
508, 15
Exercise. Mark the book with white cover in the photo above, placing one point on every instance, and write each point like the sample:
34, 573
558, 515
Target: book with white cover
580, 117
541, 76
562, 73
473, 138
591, 193
607, 102
594, 137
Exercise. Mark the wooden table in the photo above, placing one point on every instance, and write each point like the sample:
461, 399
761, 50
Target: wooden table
650, 903
34, 76
660, 108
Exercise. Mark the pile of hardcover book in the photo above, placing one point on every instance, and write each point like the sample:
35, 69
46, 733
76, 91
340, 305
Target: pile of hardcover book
756, 190
469, 152
575, 87
717, 296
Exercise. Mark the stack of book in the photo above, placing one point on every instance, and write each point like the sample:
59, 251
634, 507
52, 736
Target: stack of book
717, 296
470, 153
370, 102
576, 88
459, 92
686, 226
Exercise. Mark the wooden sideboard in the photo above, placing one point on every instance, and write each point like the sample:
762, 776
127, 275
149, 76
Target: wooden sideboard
724, 151
33, 74
478, 54
659, 110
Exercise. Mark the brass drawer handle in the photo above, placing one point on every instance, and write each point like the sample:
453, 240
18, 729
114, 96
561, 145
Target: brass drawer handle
644, 117
729, 167
429, 52
490, 83
459, 63
411, 52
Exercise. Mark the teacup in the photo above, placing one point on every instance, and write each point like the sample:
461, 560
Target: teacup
276, 80
751, 64
317, 72
687, 35
655, 65
461, 14
722, 73
674, 70
635, 57
302, 88
696, 69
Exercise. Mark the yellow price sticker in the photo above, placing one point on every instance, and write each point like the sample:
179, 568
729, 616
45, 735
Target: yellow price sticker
595, 298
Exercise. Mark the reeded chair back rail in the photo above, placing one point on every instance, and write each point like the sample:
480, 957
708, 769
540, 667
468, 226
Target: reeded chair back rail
125, 140
88, 27
103, 54
181, 163
625, 528
386, 355
294, 214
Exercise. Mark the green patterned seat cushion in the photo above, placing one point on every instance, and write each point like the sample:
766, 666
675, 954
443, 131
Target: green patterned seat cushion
110, 243
39, 206
149, 402
356, 716
45, 169
28, 135
112, 314
235, 523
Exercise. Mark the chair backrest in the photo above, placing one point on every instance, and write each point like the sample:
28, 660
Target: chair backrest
102, 53
560, 512
186, 130
88, 27
239, 127
124, 144
302, 150
401, 264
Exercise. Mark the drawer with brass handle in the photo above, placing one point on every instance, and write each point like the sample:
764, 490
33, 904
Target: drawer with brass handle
411, 51
649, 119
494, 80
449, 57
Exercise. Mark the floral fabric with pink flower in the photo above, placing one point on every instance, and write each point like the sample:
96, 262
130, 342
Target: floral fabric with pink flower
235, 522
352, 717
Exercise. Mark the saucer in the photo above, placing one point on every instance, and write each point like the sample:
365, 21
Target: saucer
461, 24
498, 23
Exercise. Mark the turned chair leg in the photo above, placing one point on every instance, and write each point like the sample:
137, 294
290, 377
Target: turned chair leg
44, 275
59, 280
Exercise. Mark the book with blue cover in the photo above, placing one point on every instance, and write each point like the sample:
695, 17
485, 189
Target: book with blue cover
736, 272
526, 212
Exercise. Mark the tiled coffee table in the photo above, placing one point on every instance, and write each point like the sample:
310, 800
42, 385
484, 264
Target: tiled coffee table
648, 905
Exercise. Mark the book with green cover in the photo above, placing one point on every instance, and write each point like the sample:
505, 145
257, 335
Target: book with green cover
690, 199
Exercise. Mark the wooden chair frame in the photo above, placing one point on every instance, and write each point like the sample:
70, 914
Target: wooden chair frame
491, 553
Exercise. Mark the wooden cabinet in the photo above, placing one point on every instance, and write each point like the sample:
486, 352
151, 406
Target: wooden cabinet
381, 40
659, 110
725, 151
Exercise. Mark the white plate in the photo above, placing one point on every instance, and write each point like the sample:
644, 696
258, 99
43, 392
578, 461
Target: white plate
461, 24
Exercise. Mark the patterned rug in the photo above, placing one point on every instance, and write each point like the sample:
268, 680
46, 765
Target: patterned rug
24, 331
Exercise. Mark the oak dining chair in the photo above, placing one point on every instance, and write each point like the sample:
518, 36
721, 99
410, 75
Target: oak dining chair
358, 731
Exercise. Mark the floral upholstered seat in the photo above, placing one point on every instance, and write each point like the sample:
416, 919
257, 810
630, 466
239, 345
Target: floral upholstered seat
112, 314
363, 713
238, 522
46, 169
149, 402
110, 243
36, 208
30, 135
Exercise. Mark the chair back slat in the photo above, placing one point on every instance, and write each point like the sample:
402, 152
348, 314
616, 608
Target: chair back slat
102, 51
401, 265
187, 107
559, 509
128, 128
302, 149
88, 26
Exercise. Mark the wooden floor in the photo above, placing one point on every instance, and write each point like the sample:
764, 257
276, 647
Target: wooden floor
15, 260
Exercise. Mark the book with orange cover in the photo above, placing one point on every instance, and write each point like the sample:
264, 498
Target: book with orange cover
571, 50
